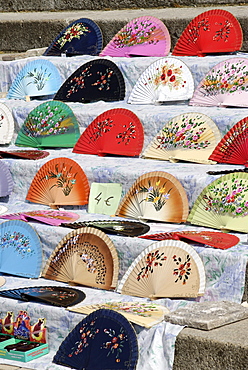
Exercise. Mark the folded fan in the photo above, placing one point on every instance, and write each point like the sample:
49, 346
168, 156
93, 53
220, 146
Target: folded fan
7, 125
24, 154
6, 181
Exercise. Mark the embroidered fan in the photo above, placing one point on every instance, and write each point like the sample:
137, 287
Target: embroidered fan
116, 131
155, 196
6, 181
82, 36
214, 31
103, 340
168, 268
189, 137
23, 154
6, 124
167, 79
223, 204
142, 36
60, 181
224, 85
50, 124
85, 256
99, 79
38, 78
21, 249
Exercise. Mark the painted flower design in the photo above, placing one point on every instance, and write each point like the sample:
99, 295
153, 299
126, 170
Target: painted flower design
39, 77
156, 194
103, 82
87, 332
153, 260
169, 75
194, 32
63, 177
78, 82
116, 342
19, 242
74, 32
183, 269
101, 128
127, 135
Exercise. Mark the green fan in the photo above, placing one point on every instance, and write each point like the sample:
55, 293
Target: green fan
50, 124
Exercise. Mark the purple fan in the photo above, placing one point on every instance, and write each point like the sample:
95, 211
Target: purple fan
6, 181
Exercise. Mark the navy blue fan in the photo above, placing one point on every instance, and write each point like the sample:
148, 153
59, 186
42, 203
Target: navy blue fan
99, 79
104, 340
80, 37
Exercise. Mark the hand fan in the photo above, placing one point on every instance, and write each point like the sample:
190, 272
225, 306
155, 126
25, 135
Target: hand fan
116, 131
143, 36
223, 204
21, 249
6, 181
3, 209
7, 125
38, 77
155, 196
167, 79
214, 31
99, 79
224, 85
24, 154
80, 37
126, 228
60, 181
190, 137
50, 124
85, 256
168, 268
103, 340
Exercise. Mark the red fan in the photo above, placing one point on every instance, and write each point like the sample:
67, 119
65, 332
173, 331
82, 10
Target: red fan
24, 154
214, 31
116, 131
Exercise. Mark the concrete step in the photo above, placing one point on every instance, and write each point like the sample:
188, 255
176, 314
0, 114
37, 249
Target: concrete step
32, 30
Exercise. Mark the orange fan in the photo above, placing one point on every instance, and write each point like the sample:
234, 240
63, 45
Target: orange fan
85, 256
156, 196
60, 181
214, 31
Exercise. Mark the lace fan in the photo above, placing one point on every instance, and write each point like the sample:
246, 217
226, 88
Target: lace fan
166, 80
116, 131
189, 137
214, 31
155, 196
226, 84
24, 154
142, 36
80, 37
85, 256
168, 268
50, 124
223, 204
6, 124
60, 181
6, 181
99, 79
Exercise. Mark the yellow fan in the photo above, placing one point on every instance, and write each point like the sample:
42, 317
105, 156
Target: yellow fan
168, 268
155, 196
85, 256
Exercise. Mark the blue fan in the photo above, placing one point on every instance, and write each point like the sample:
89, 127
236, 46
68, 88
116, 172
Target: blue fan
38, 78
80, 37
6, 181
21, 250
103, 340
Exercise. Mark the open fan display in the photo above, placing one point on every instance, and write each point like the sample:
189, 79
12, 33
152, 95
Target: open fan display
80, 37
60, 181
214, 31
6, 181
165, 80
21, 249
116, 131
50, 124
85, 256
24, 154
38, 78
224, 85
142, 36
189, 137
103, 340
223, 204
169, 268
155, 196
233, 147
99, 79
7, 125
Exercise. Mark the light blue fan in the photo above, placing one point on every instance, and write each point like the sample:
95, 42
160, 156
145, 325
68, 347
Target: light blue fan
38, 78
20, 249
6, 181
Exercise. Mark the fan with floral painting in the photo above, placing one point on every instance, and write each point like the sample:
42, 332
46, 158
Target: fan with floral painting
24, 154
7, 125
6, 181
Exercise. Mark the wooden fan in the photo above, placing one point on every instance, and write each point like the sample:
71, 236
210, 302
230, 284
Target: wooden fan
116, 131
142, 36
7, 125
224, 85
168, 268
6, 181
60, 181
155, 196
24, 154
189, 137
214, 31
223, 204
85, 256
